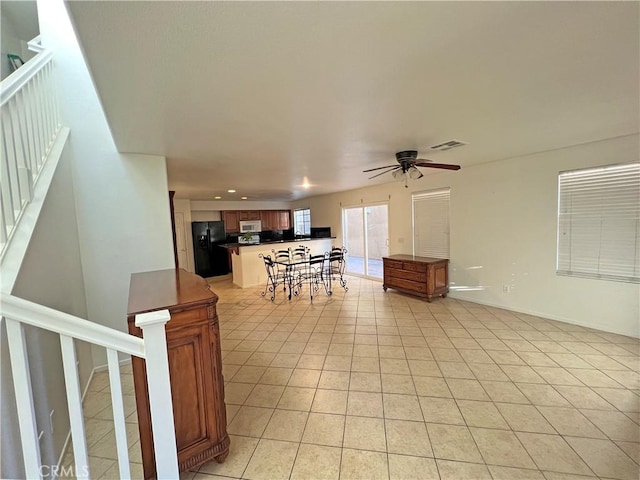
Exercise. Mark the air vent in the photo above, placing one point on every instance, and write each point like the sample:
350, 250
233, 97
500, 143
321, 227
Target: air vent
447, 145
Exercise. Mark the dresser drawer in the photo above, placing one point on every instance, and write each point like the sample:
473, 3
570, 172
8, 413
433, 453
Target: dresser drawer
406, 274
392, 264
406, 284
414, 266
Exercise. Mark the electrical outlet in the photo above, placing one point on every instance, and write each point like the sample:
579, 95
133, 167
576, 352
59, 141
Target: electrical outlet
506, 288
51, 420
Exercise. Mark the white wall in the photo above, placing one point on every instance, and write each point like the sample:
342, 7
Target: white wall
122, 200
51, 275
12, 38
503, 232
205, 216
9, 43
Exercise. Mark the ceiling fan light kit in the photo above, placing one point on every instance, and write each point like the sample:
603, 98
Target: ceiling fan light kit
408, 162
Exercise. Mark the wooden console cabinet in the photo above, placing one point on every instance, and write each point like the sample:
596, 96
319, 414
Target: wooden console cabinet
195, 366
421, 276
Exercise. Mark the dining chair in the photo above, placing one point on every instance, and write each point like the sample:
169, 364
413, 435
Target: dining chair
272, 278
281, 270
315, 274
300, 252
336, 265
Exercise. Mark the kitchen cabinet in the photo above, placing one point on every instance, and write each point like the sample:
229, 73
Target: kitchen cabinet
284, 219
421, 276
269, 219
249, 215
231, 221
195, 366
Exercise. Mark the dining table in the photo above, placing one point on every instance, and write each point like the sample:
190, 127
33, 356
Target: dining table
292, 273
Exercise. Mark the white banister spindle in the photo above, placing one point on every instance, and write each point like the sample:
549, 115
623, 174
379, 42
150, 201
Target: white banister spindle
29, 110
160, 401
30, 123
10, 181
47, 129
74, 402
24, 399
54, 96
4, 230
8, 210
51, 97
118, 414
25, 180
40, 117
21, 130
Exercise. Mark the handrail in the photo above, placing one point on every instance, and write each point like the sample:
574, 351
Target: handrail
17, 312
30, 125
14, 82
35, 44
47, 318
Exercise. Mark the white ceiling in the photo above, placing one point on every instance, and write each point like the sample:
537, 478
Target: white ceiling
257, 95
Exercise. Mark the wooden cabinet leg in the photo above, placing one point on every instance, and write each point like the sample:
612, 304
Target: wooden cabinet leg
222, 457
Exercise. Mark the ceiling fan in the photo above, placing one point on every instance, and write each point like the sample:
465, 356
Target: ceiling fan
408, 162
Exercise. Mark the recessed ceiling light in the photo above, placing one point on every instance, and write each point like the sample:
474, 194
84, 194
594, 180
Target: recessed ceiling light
231, 191
305, 183
244, 198
217, 197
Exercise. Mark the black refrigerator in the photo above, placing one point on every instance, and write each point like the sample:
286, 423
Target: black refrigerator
211, 259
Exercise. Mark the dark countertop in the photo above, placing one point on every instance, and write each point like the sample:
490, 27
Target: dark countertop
271, 242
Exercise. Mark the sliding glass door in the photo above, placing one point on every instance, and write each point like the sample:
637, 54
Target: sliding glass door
366, 238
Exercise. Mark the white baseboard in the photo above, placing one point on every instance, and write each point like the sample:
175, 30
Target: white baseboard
572, 321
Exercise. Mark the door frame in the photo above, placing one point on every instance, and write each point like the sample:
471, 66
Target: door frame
182, 233
364, 235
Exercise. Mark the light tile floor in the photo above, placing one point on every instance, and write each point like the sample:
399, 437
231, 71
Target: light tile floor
367, 384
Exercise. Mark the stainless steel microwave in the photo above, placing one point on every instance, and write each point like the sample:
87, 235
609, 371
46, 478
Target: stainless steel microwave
250, 226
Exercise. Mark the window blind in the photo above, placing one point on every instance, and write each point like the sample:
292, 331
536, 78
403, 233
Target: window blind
431, 223
599, 223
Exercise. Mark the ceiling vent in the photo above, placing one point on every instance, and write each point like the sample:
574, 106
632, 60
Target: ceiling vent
447, 145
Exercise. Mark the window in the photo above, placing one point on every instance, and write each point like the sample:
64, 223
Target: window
431, 223
302, 221
598, 223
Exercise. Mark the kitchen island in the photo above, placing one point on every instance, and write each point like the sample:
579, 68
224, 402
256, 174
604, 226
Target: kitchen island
248, 268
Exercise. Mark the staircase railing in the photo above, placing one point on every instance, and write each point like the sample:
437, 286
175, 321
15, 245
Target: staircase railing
29, 124
18, 312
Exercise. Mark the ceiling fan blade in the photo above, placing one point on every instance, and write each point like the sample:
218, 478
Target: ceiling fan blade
387, 171
445, 166
379, 168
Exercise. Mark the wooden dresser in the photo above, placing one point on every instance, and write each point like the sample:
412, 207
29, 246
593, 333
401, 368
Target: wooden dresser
422, 276
195, 366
